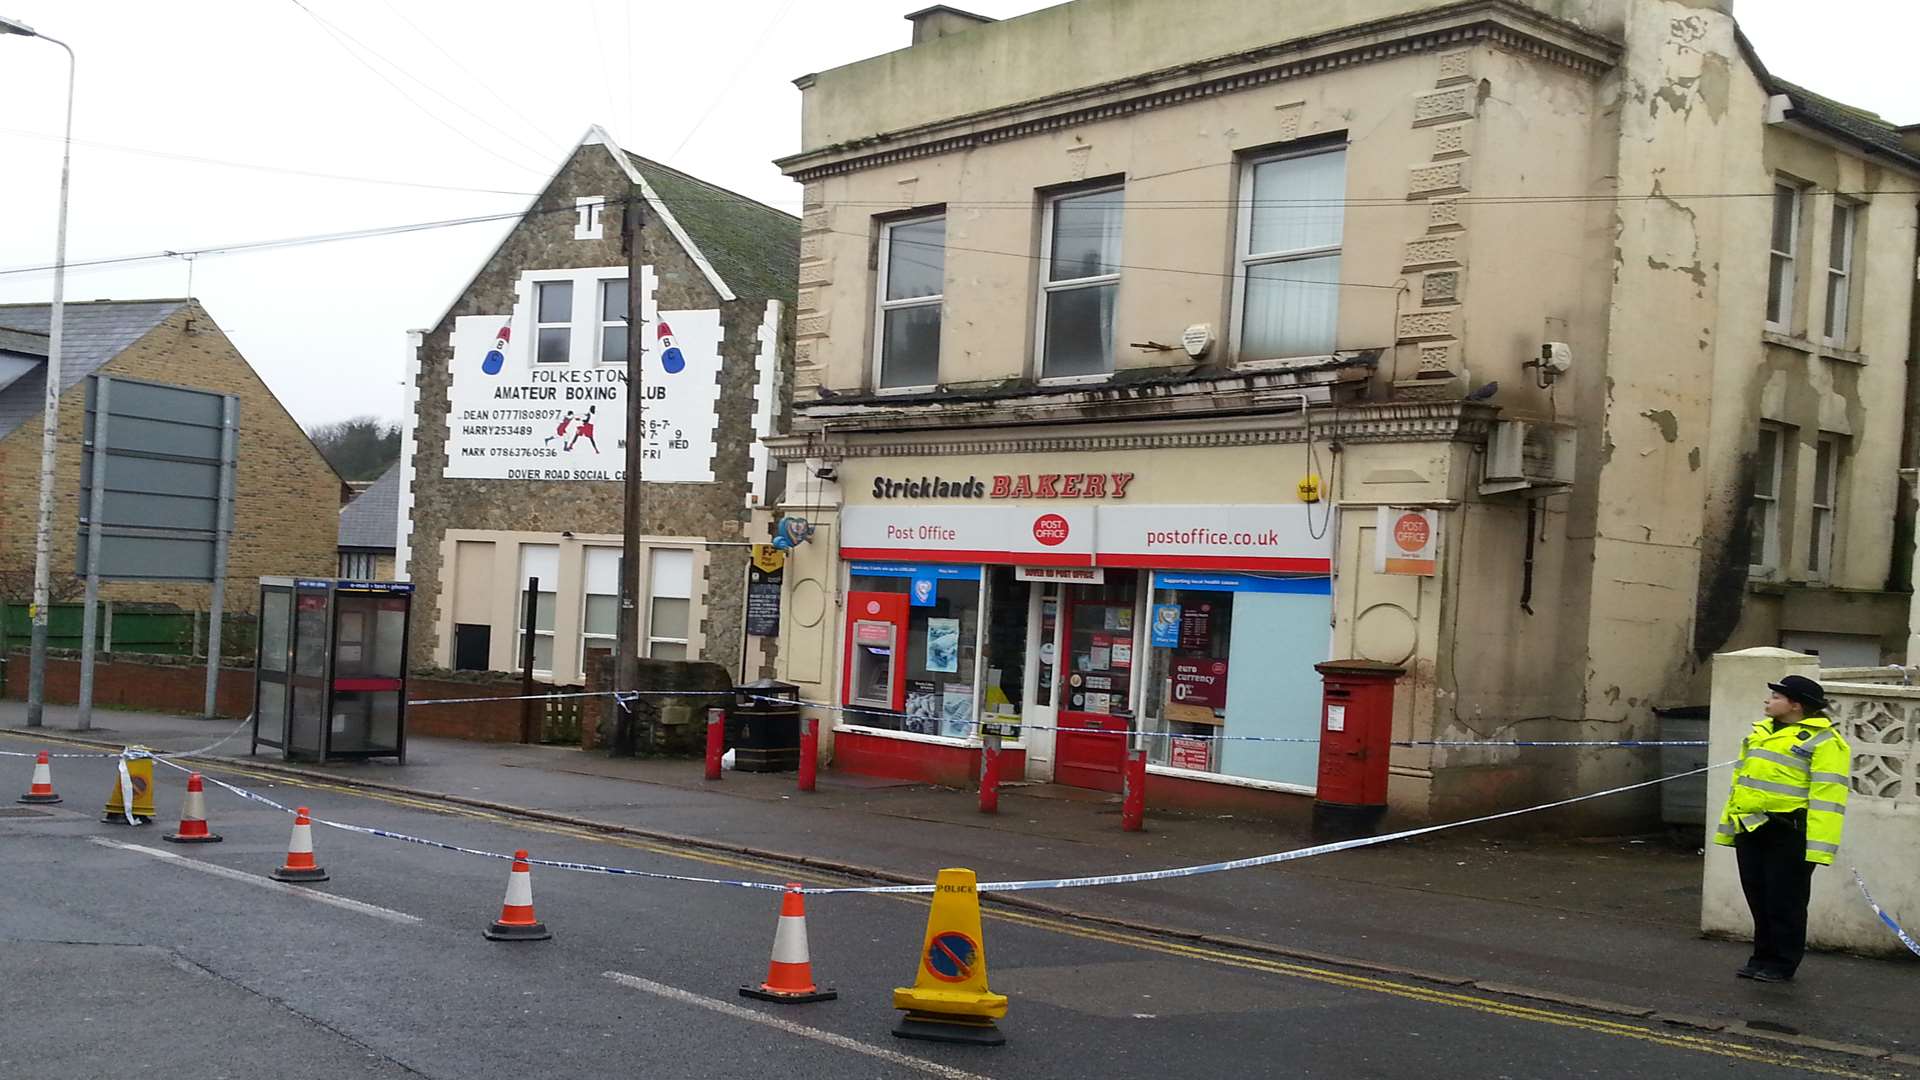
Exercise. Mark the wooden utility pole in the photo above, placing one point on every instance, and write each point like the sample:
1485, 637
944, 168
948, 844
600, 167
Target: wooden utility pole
627, 651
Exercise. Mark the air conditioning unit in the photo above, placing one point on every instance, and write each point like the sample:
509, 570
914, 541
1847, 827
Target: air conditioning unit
1536, 458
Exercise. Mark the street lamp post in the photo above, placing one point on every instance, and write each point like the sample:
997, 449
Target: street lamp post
49, 434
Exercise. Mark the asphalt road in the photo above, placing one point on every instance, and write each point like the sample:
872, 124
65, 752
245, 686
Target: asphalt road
119, 962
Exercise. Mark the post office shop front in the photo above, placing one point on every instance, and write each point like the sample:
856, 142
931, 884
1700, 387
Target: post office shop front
1088, 630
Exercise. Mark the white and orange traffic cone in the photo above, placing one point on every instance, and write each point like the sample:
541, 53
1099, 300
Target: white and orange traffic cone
516, 921
790, 972
40, 790
300, 866
193, 817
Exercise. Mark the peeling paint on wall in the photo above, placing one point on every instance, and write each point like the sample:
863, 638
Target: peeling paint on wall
1664, 419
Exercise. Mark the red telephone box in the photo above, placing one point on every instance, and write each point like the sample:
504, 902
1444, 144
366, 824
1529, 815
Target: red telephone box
1356, 739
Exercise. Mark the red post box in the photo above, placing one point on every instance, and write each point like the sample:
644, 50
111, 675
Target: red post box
1356, 736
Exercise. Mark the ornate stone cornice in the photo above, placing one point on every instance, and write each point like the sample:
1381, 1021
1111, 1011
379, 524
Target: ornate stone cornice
1508, 25
1450, 421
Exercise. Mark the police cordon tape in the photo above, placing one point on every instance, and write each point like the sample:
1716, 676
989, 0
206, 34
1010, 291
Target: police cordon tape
1028, 885
207, 749
1899, 932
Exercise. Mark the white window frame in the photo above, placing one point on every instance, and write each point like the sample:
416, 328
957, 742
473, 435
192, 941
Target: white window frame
547, 588
357, 565
1822, 516
1767, 559
882, 305
1789, 257
1846, 217
1243, 239
1048, 286
586, 592
539, 287
601, 322
693, 572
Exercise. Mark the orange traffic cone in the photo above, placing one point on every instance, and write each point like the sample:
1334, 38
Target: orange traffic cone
516, 921
40, 790
193, 817
790, 972
300, 866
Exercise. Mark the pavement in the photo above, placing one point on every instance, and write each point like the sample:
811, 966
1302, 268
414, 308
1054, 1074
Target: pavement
1601, 931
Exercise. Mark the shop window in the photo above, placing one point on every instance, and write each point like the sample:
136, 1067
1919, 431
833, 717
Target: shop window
941, 666
670, 605
1288, 255
1100, 641
1232, 656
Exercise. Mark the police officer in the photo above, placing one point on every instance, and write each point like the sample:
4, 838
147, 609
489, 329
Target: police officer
1784, 817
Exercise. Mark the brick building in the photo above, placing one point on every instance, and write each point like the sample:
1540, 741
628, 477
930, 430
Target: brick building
279, 478
514, 455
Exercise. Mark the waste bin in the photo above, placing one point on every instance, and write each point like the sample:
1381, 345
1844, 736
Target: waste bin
763, 727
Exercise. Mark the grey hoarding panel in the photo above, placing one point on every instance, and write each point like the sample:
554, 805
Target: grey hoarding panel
176, 404
173, 558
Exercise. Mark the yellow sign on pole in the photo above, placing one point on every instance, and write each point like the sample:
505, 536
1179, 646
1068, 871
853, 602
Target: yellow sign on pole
949, 1000
140, 777
768, 558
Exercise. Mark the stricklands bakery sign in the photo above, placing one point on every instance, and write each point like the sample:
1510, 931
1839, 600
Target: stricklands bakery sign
1010, 486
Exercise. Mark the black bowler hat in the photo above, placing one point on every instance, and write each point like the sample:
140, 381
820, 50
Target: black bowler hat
1799, 688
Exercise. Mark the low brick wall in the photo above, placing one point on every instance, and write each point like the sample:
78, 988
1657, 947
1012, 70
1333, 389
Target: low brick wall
153, 684
666, 725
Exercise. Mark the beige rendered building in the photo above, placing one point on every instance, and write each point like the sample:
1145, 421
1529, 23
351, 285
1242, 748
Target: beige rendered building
1149, 353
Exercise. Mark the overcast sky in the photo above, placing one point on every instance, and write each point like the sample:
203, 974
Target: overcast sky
486, 95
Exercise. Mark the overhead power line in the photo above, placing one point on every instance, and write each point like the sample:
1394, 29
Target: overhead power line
341, 38
284, 170
484, 83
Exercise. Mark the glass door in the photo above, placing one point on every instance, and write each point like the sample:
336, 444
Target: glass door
1096, 706
1043, 650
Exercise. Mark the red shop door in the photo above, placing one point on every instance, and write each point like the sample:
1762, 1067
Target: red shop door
1096, 682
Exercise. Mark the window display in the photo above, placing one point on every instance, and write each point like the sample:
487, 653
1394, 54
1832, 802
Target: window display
942, 648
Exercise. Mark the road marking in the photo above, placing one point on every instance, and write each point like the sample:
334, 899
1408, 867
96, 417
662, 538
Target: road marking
728, 1008
1328, 976
216, 870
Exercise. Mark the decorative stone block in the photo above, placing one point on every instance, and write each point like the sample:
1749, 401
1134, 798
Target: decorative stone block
816, 273
1077, 161
1434, 251
1440, 287
1450, 140
820, 220
1443, 214
1437, 357
803, 353
1443, 106
807, 300
1286, 121
1440, 178
813, 196
1415, 325
1455, 67
813, 248
811, 325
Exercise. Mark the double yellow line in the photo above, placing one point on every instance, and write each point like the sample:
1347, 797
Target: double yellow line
1225, 958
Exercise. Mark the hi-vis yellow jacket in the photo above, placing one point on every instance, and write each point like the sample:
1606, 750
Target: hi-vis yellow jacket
1799, 766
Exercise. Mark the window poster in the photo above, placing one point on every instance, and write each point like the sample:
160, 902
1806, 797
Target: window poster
1100, 657
1196, 627
943, 645
1120, 618
1098, 703
956, 710
1166, 626
1122, 654
923, 707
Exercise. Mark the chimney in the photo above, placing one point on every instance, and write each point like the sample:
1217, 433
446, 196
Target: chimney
940, 20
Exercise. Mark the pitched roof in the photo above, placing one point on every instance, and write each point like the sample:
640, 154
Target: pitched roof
1859, 126
95, 333
372, 519
752, 246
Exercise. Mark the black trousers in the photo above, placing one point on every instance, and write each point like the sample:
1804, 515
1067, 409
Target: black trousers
1776, 876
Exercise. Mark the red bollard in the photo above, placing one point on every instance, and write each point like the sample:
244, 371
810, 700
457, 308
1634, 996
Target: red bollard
716, 735
990, 773
1133, 791
809, 751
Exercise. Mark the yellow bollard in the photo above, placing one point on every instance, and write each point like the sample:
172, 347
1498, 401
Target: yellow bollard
140, 772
